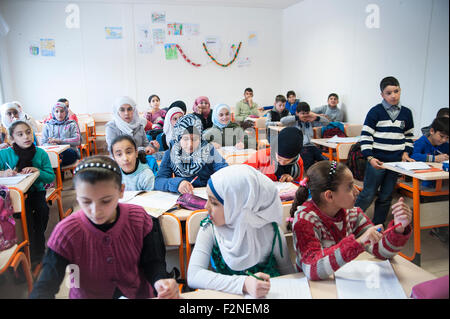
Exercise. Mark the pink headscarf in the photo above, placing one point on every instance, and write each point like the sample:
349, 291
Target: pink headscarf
198, 101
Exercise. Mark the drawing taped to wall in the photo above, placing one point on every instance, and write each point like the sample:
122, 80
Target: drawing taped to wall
159, 36
158, 17
113, 32
174, 29
47, 47
171, 51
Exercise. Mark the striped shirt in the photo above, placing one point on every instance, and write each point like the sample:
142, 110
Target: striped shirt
387, 139
323, 244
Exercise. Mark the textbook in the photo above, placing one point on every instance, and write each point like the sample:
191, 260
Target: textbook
409, 166
13, 180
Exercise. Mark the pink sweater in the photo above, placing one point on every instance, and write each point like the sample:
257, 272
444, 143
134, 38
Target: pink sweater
106, 260
323, 244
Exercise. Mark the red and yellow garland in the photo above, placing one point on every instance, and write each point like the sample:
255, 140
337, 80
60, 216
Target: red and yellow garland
220, 64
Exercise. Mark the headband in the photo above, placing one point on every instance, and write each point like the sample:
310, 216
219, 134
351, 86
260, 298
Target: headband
332, 172
96, 165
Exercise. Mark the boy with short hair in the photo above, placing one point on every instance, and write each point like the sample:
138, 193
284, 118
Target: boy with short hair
331, 111
292, 102
434, 147
278, 111
443, 112
386, 137
246, 107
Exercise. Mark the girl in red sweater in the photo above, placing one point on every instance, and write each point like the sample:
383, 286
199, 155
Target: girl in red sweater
330, 232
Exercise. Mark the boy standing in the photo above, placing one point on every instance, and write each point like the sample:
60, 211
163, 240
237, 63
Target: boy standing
386, 137
247, 107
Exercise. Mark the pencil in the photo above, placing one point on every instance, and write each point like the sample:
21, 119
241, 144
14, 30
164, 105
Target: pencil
192, 182
8, 166
253, 275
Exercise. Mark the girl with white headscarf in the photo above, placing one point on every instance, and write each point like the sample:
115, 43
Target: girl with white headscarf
172, 116
11, 112
126, 121
241, 234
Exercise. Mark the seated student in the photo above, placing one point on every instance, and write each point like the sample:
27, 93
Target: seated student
9, 113
189, 157
136, 175
126, 121
224, 132
118, 248
61, 130
278, 111
292, 102
443, 112
202, 108
172, 116
305, 120
24, 157
155, 115
246, 107
241, 235
179, 104
329, 231
281, 162
72, 116
331, 111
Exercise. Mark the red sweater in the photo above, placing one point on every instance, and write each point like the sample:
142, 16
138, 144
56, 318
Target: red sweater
106, 260
261, 160
323, 244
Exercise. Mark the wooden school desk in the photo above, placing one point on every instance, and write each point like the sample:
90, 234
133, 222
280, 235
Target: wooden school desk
236, 156
55, 148
336, 151
437, 212
407, 273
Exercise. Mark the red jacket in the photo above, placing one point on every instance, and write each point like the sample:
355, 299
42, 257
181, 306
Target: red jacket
261, 161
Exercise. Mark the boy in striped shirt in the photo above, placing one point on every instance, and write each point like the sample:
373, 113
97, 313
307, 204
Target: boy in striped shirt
386, 137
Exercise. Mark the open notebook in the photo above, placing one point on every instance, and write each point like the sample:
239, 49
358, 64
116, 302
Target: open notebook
288, 288
409, 166
13, 180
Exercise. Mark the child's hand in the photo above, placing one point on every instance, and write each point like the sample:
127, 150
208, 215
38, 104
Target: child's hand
286, 178
406, 158
185, 187
167, 289
4, 145
149, 150
257, 288
28, 170
8, 173
402, 214
372, 235
155, 145
440, 158
377, 164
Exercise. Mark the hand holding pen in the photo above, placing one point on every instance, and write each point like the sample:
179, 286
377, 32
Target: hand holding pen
257, 285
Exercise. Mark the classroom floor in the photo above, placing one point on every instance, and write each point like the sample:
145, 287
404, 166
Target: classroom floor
435, 254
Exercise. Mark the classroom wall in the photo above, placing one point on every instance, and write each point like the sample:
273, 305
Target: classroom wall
327, 47
90, 70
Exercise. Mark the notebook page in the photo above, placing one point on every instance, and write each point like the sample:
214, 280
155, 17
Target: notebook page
409, 166
368, 280
13, 180
288, 288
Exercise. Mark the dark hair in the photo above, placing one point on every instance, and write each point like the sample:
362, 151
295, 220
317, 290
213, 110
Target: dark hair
141, 154
390, 80
248, 90
280, 98
63, 100
179, 104
152, 96
333, 94
15, 124
440, 124
247, 124
303, 107
98, 168
443, 112
321, 176
289, 93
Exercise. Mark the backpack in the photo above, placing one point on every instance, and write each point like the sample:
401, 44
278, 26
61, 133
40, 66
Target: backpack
356, 162
8, 237
332, 129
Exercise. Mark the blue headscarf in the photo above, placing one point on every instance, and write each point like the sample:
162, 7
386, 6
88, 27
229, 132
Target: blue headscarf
215, 115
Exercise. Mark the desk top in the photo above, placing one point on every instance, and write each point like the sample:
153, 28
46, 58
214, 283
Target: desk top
55, 148
427, 176
276, 128
324, 142
235, 156
26, 183
407, 273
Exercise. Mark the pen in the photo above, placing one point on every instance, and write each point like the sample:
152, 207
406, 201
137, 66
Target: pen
253, 275
389, 229
8, 166
192, 182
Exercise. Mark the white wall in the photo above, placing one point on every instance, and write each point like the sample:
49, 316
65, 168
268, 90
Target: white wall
328, 48
91, 71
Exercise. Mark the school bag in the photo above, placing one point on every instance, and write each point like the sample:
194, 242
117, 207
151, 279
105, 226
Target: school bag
191, 202
356, 162
332, 129
8, 237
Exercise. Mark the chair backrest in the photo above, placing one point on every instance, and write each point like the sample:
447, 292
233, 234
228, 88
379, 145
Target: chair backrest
352, 130
193, 225
171, 229
342, 150
18, 203
317, 132
102, 117
54, 159
286, 214
261, 122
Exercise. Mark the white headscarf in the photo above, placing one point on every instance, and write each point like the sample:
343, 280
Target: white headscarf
251, 203
127, 128
168, 128
5, 119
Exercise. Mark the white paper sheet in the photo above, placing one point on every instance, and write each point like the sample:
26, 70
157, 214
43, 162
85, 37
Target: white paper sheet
201, 192
13, 180
128, 195
156, 202
288, 288
368, 280
337, 139
284, 187
409, 166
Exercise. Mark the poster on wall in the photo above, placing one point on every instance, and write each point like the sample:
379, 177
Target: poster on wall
33, 48
113, 32
174, 29
171, 51
213, 44
158, 17
242, 62
143, 32
191, 29
159, 36
253, 38
47, 47
144, 47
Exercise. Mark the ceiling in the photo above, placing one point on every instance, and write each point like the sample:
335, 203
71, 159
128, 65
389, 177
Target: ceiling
270, 4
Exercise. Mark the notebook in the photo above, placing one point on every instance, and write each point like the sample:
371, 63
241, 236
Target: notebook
287, 288
13, 180
409, 166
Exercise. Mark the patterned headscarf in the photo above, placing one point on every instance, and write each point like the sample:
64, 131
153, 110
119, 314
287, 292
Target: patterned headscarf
182, 163
54, 121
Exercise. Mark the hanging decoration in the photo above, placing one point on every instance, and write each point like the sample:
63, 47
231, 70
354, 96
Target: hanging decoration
220, 64
186, 58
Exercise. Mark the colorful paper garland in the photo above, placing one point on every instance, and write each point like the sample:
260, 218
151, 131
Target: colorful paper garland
220, 64
186, 58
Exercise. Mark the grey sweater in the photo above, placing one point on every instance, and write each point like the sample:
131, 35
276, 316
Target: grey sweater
139, 136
